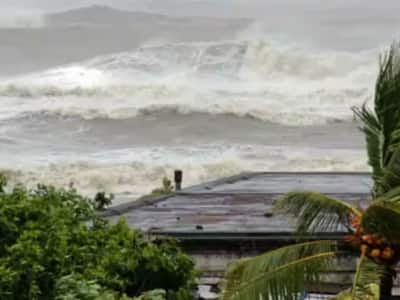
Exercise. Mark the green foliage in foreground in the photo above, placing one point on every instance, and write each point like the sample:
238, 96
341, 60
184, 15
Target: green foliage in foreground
75, 287
54, 246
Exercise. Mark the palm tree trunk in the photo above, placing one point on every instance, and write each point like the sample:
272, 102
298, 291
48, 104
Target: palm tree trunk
387, 283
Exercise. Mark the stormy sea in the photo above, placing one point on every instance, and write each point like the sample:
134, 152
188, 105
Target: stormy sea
115, 100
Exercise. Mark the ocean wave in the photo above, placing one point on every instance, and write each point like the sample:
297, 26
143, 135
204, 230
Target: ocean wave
47, 91
262, 80
316, 107
131, 179
264, 59
134, 177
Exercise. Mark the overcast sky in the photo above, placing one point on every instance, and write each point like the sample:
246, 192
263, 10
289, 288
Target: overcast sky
245, 8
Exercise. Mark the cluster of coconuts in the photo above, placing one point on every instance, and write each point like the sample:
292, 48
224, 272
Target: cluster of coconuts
376, 248
371, 245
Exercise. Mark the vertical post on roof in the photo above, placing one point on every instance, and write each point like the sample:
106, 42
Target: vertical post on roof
178, 180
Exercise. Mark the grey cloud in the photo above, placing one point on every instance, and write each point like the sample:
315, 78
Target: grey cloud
229, 8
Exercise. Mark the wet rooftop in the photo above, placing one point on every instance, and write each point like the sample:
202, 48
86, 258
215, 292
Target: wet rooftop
237, 205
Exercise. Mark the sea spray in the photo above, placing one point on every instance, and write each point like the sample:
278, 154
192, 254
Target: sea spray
259, 79
77, 123
135, 173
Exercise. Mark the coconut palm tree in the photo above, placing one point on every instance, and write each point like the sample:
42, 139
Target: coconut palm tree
373, 232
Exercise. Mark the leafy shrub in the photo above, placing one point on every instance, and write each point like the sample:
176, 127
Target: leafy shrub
102, 201
3, 182
74, 287
166, 189
51, 240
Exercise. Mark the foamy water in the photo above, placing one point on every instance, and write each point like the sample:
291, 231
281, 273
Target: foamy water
120, 122
260, 79
136, 171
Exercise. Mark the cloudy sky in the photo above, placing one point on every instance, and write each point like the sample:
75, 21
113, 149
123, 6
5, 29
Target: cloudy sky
244, 8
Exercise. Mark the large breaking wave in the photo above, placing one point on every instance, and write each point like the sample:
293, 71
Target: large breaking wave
264, 80
269, 81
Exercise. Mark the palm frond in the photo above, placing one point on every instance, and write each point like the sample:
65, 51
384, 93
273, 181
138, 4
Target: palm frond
387, 93
316, 212
374, 140
392, 195
366, 282
279, 274
387, 111
383, 218
391, 173
367, 279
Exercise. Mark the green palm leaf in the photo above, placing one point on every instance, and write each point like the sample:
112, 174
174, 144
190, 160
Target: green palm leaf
392, 195
374, 140
383, 218
383, 128
391, 173
279, 274
316, 212
366, 281
387, 95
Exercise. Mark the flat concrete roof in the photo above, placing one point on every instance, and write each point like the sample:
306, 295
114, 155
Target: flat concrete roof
236, 206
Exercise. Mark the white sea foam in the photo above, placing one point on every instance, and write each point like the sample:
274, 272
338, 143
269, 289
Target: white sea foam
269, 81
137, 171
265, 80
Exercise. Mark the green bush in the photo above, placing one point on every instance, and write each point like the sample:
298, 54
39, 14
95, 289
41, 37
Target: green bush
74, 287
54, 246
3, 182
102, 201
166, 189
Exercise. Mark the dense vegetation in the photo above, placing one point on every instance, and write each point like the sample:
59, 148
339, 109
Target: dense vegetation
54, 246
373, 231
